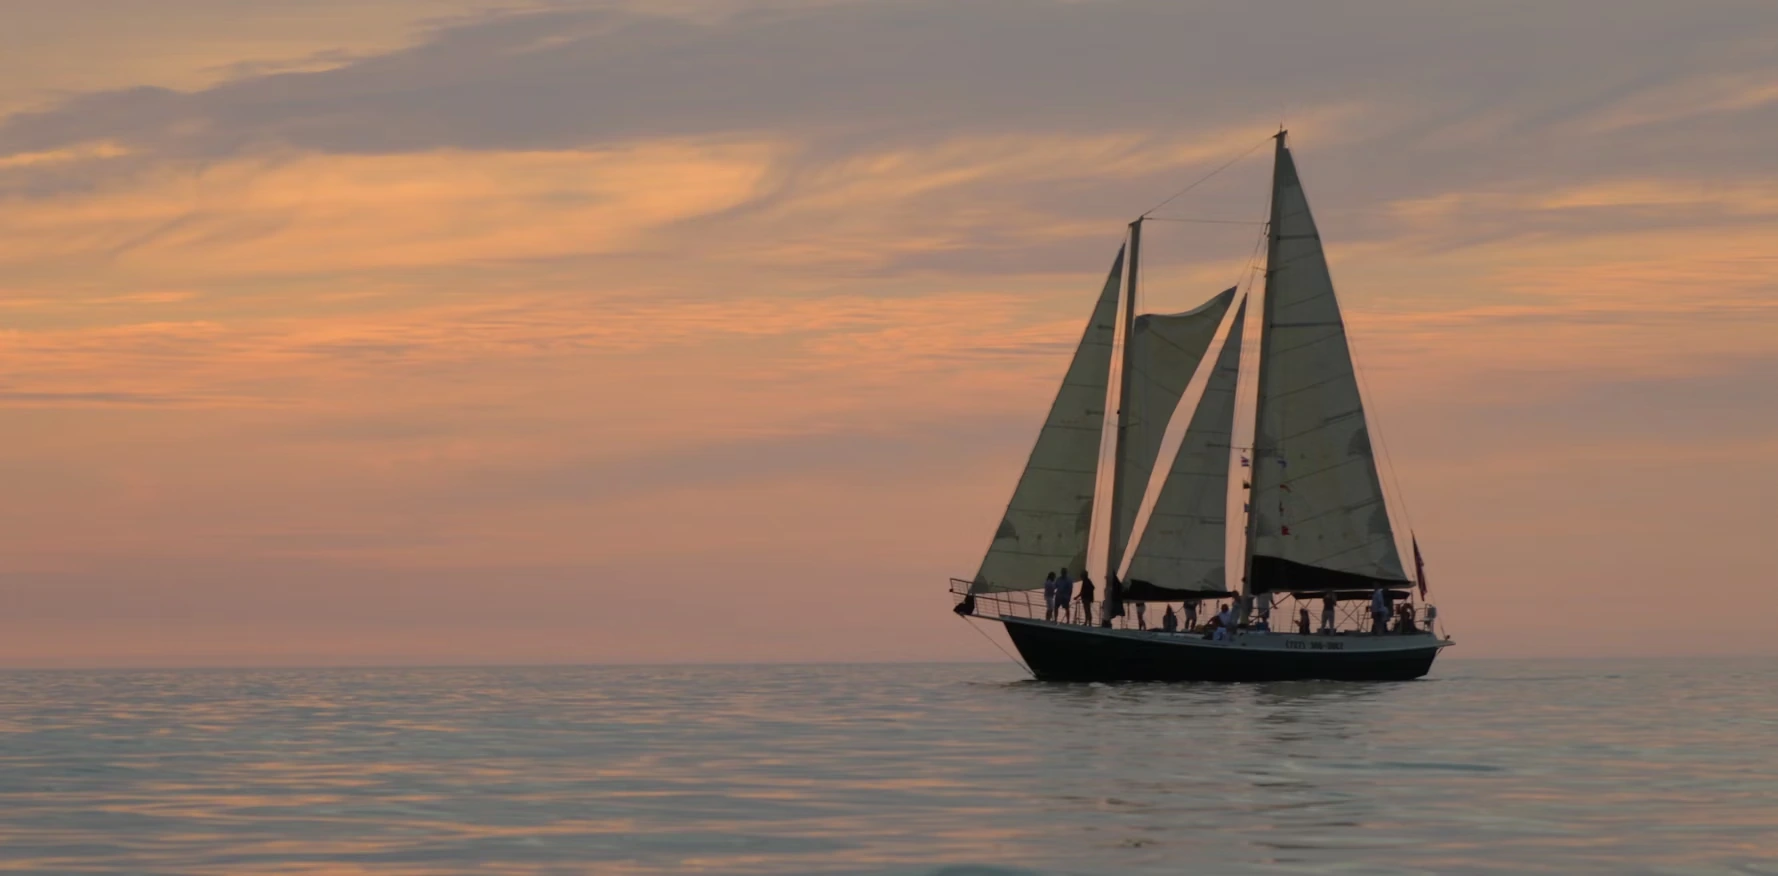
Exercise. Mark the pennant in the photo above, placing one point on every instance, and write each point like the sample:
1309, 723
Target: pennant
1283, 530
1244, 461
1419, 566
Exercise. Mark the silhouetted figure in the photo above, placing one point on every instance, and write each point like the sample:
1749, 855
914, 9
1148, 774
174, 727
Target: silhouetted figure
1328, 601
1191, 614
1049, 597
1169, 621
1064, 597
1086, 599
1302, 621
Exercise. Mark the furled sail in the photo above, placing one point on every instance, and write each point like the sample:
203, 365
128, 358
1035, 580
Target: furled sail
1164, 354
1182, 548
1047, 522
1319, 519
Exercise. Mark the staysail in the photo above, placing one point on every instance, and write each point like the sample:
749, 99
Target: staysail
1319, 521
1164, 354
1046, 525
1182, 548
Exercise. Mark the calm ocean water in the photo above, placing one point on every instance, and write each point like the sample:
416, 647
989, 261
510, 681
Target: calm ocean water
1527, 767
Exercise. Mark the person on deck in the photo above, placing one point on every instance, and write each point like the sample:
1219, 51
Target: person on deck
1049, 597
1169, 621
1404, 619
1086, 599
1064, 597
1226, 620
1379, 611
1141, 615
1328, 601
1114, 601
1191, 614
1263, 604
1302, 621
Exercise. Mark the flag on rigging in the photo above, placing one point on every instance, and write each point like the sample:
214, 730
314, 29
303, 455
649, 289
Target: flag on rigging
1244, 462
1419, 566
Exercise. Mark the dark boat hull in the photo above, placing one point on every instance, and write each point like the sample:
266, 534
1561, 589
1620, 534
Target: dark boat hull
1062, 652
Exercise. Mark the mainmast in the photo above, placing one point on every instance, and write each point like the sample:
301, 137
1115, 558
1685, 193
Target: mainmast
1248, 495
1114, 556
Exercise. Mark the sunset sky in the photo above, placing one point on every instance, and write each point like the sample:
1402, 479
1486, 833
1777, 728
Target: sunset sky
456, 331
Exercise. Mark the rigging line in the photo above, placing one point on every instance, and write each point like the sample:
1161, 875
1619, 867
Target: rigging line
1206, 177
1016, 661
1147, 218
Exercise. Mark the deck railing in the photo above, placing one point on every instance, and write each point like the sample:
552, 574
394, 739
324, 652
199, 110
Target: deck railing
1350, 616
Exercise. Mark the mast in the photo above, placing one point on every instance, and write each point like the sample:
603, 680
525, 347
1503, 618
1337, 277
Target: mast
1114, 555
1249, 495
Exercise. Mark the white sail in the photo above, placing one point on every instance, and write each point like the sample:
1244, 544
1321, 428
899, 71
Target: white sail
1319, 518
1047, 522
1164, 354
1184, 544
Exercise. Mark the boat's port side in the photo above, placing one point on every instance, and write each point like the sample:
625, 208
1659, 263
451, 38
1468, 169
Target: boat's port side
1063, 646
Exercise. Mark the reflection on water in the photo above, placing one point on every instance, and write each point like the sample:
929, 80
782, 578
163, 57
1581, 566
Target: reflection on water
1584, 766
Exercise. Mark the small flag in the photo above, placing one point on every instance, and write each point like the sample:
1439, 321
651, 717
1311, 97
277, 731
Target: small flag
1282, 463
1246, 506
1419, 567
1244, 462
1284, 530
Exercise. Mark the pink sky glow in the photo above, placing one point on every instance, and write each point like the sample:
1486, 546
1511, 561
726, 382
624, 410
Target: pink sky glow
400, 332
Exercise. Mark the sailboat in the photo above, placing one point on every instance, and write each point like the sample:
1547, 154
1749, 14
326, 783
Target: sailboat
1321, 591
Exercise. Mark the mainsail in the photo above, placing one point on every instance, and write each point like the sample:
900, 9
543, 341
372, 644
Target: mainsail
1164, 354
1319, 520
1184, 543
1047, 522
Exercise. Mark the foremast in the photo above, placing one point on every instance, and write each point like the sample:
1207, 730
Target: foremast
1119, 540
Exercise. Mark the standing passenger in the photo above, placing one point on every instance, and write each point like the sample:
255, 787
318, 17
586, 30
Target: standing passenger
1049, 597
1191, 614
1302, 621
1328, 601
1141, 615
1064, 596
1169, 622
1379, 611
1086, 599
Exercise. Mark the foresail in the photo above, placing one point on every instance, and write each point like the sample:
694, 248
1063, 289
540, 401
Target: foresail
1047, 522
1182, 548
1164, 354
1320, 521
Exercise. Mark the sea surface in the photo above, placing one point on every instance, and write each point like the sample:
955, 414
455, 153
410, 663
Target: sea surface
1583, 766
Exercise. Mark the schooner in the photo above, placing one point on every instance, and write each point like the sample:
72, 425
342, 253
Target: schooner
1321, 591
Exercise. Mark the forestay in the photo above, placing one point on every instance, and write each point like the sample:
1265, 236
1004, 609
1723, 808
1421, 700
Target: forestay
1182, 547
1320, 520
1046, 524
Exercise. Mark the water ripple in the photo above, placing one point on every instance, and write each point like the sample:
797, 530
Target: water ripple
1581, 766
